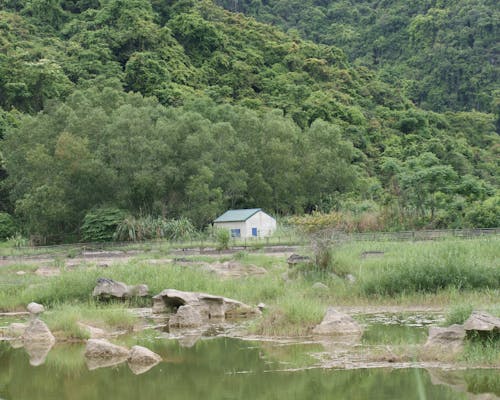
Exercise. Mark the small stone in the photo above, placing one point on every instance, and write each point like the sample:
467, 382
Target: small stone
20, 273
319, 286
350, 278
35, 308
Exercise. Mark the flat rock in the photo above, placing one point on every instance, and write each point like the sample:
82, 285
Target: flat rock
209, 306
336, 323
48, 271
233, 269
295, 259
35, 308
447, 339
480, 321
186, 316
319, 286
109, 288
141, 359
100, 353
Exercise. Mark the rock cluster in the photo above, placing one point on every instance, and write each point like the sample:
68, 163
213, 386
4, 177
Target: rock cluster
35, 336
195, 309
108, 288
100, 353
449, 340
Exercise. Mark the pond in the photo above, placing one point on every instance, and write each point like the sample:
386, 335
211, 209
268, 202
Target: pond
228, 368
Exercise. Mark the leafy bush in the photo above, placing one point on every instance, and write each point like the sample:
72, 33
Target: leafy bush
7, 226
485, 214
100, 225
146, 228
222, 237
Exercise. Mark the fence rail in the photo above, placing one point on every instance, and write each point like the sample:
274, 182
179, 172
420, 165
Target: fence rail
256, 243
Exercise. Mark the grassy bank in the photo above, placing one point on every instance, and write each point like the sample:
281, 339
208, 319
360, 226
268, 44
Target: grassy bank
441, 273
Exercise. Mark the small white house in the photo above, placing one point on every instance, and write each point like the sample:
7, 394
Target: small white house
248, 223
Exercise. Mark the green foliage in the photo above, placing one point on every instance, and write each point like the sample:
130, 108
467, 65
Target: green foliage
146, 228
7, 226
222, 237
399, 39
458, 314
100, 225
431, 271
183, 110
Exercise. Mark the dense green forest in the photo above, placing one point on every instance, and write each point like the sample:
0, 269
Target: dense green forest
183, 109
443, 54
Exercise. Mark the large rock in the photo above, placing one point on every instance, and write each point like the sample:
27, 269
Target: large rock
186, 316
208, 306
38, 331
37, 340
109, 288
35, 309
336, 323
141, 359
482, 322
14, 334
449, 339
100, 353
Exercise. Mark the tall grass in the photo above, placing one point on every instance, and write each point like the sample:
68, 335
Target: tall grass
432, 267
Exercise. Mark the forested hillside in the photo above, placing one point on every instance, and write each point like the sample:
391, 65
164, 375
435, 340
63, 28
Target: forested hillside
443, 54
179, 108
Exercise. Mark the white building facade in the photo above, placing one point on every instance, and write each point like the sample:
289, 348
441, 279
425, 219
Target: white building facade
247, 223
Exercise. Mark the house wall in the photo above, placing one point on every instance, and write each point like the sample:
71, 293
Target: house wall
264, 223
232, 225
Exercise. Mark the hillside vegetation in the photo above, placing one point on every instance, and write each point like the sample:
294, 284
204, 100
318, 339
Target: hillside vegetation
443, 54
181, 108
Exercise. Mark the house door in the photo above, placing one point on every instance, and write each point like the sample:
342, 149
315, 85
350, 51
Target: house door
254, 231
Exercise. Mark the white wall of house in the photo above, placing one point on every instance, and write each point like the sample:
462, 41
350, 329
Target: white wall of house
233, 225
265, 225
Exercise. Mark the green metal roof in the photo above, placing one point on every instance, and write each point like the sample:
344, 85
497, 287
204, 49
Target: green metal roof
237, 215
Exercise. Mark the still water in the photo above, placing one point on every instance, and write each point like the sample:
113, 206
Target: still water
224, 368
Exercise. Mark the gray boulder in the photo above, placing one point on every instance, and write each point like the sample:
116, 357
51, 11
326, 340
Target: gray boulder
109, 288
482, 322
141, 359
14, 334
100, 353
35, 309
336, 323
449, 339
186, 316
37, 341
295, 259
210, 307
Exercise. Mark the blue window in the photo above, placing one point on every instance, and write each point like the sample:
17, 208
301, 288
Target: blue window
235, 233
254, 231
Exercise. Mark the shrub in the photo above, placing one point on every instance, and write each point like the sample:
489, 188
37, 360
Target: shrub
222, 237
458, 314
145, 228
7, 226
100, 225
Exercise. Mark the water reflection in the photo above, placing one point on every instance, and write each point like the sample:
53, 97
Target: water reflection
223, 368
